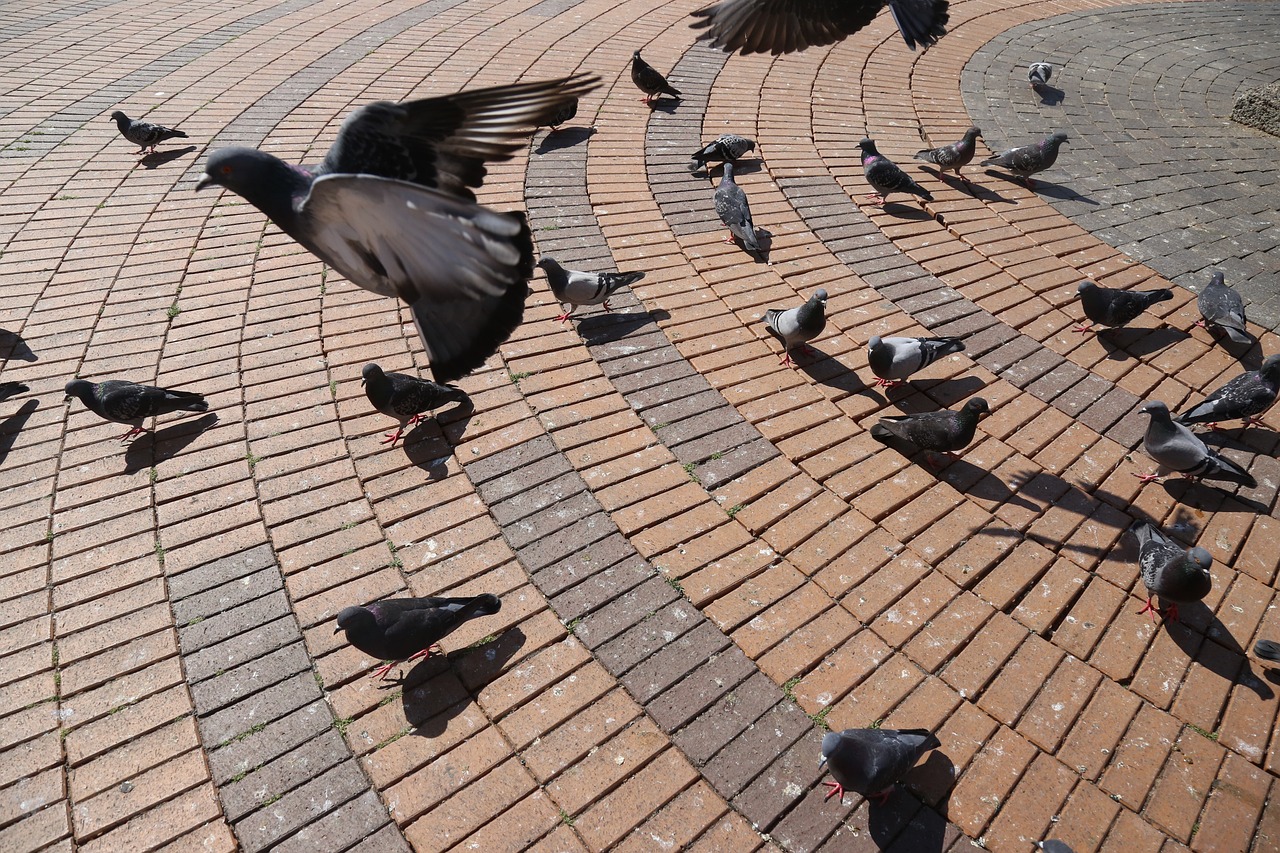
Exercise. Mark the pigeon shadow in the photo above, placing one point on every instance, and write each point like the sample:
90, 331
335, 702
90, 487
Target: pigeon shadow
978, 191
12, 425
453, 422
12, 346
948, 392
152, 448
1044, 188
1217, 651
904, 823
909, 212
764, 240
159, 158
1252, 439
565, 137
1050, 96
432, 695
425, 446
981, 484
1203, 496
830, 371
1121, 343
607, 327
664, 104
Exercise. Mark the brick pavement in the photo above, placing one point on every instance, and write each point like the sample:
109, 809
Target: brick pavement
703, 558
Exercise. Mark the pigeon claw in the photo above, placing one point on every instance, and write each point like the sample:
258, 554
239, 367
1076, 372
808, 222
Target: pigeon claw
786, 357
881, 797
1171, 612
392, 437
381, 672
605, 305
1147, 478
1083, 328
563, 318
136, 431
837, 790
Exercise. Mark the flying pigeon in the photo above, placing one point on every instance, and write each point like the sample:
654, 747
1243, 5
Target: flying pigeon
953, 157
391, 209
1109, 306
574, 288
871, 761
10, 389
130, 403
1221, 306
795, 327
649, 80
404, 397
1177, 575
1244, 396
1174, 446
143, 133
731, 205
784, 26
885, 177
405, 629
934, 432
1038, 74
892, 360
1267, 650
724, 148
1029, 159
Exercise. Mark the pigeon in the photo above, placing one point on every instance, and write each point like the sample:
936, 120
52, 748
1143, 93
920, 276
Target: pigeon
1113, 307
391, 209
731, 204
795, 327
784, 26
1029, 159
1177, 575
871, 761
1267, 650
143, 133
935, 432
405, 397
1244, 396
563, 115
1053, 845
574, 288
1221, 306
723, 149
11, 389
885, 177
892, 360
953, 157
649, 80
130, 403
1038, 74
405, 629
1174, 446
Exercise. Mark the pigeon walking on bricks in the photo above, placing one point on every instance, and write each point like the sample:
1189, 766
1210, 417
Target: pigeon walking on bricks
130, 403
391, 209
1245, 396
725, 148
1221, 306
12, 389
1267, 650
784, 26
892, 360
144, 134
885, 177
1174, 446
934, 432
1038, 74
575, 288
1109, 306
568, 110
871, 761
649, 80
731, 205
795, 327
1177, 575
1029, 159
405, 629
953, 157
405, 398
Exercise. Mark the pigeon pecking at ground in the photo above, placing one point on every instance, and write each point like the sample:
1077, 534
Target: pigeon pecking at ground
1245, 396
885, 177
575, 288
1029, 159
1175, 447
784, 26
935, 432
130, 403
12, 389
143, 133
405, 398
953, 157
1221, 306
1109, 306
893, 359
1038, 74
391, 208
1177, 575
565, 114
404, 629
650, 81
795, 327
735, 212
871, 761
727, 147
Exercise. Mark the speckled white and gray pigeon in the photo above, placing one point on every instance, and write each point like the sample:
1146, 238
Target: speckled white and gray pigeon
1245, 396
1221, 306
784, 26
1177, 575
130, 403
405, 398
1174, 446
893, 359
649, 80
391, 209
934, 432
795, 327
727, 147
885, 177
1109, 306
1029, 159
575, 288
144, 134
735, 212
404, 629
1038, 74
871, 761
953, 157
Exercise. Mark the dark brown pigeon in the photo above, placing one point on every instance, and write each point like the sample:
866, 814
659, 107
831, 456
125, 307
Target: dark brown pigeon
405, 629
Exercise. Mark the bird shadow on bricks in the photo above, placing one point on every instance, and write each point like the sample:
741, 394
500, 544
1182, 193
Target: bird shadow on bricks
434, 690
565, 137
152, 161
1134, 343
152, 448
1041, 187
978, 191
665, 105
1204, 495
452, 423
903, 823
427, 448
607, 327
12, 425
12, 346
830, 371
908, 212
1217, 650
1050, 96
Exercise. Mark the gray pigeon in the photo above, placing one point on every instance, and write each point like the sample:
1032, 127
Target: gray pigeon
10, 389
1221, 306
871, 761
885, 177
784, 26
1110, 306
1177, 575
953, 157
649, 80
1053, 845
1029, 159
405, 397
723, 149
1267, 650
1038, 74
934, 432
1244, 396
795, 327
130, 403
574, 288
404, 629
731, 205
892, 360
391, 209
1175, 447
144, 134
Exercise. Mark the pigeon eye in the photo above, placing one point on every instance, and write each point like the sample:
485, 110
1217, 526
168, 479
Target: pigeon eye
226, 170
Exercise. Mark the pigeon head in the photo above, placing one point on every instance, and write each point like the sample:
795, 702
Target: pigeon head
355, 618
1201, 558
830, 742
868, 147
636, 56
547, 263
1216, 277
266, 182
1157, 410
820, 295
727, 175
371, 373
1055, 140
874, 342
81, 388
973, 133
977, 407
1084, 285
119, 116
1271, 368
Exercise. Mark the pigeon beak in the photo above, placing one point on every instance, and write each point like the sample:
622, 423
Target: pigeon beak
204, 181
336, 630
822, 761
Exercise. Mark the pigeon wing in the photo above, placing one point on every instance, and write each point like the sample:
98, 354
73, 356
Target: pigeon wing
784, 26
